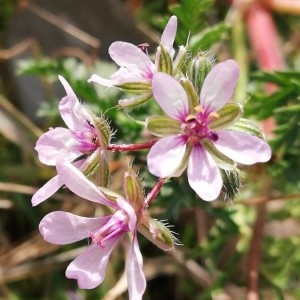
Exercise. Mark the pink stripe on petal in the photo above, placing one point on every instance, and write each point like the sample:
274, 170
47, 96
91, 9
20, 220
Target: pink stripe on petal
242, 147
90, 266
166, 155
203, 175
170, 96
219, 85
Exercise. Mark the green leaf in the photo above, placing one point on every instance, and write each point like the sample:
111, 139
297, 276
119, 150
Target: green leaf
207, 37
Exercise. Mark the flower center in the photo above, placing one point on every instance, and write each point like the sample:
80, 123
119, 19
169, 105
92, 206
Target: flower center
88, 140
196, 127
115, 226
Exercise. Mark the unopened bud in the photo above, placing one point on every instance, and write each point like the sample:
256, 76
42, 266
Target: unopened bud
231, 182
198, 69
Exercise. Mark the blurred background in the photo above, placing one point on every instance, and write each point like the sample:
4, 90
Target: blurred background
241, 248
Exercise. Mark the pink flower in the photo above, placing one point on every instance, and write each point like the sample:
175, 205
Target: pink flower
105, 232
136, 68
197, 137
83, 141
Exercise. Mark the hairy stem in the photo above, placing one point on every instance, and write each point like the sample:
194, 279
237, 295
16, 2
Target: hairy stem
131, 147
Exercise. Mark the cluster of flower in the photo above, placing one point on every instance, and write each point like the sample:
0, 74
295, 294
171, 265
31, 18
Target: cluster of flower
199, 131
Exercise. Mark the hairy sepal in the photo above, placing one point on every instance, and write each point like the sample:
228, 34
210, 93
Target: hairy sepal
162, 126
165, 64
220, 159
157, 233
227, 115
191, 94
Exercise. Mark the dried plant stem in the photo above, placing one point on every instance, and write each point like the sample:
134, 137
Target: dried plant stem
255, 253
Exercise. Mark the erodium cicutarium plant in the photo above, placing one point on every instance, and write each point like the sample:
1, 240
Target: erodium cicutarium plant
198, 129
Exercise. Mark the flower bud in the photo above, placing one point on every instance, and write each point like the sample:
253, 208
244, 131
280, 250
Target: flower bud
231, 182
198, 69
133, 189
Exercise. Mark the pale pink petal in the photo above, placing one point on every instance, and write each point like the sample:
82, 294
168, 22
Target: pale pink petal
47, 190
90, 266
242, 147
55, 143
126, 54
132, 74
102, 81
219, 85
71, 111
61, 228
80, 185
170, 96
124, 205
134, 269
203, 175
168, 36
166, 155
67, 87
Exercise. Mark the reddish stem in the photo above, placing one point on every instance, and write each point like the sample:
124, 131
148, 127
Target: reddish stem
131, 147
155, 190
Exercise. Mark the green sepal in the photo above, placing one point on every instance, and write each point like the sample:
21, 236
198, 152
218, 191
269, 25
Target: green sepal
156, 232
162, 126
191, 94
165, 64
220, 159
136, 87
103, 173
92, 162
228, 114
231, 182
247, 126
133, 189
104, 131
135, 101
109, 194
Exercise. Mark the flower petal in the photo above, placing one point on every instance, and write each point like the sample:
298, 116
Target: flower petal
126, 55
166, 155
90, 266
203, 175
63, 228
134, 269
80, 185
242, 147
124, 205
102, 81
168, 35
47, 190
55, 143
170, 96
71, 111
219, 85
